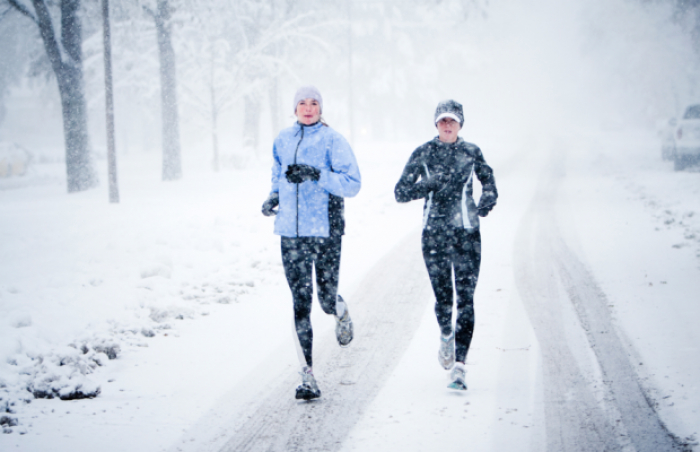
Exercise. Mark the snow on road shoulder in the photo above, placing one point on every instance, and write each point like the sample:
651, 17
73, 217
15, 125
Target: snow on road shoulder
86, 286
636, 221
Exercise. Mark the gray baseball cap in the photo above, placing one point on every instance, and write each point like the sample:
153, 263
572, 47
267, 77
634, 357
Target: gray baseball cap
449, 109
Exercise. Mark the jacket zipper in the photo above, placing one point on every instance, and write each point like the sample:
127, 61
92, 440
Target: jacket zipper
295, 162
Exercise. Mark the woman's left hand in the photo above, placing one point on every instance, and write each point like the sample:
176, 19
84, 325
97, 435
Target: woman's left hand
486, 203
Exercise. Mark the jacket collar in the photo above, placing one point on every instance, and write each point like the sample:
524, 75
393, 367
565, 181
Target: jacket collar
440, 144
313, 128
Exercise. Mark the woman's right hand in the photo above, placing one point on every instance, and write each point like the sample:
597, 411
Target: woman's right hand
270, 203
438, 181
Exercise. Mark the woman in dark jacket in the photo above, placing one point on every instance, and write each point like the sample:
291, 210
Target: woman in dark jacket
442, 171
313, 169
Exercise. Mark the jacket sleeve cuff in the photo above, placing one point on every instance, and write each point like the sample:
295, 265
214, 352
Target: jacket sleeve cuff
323, 180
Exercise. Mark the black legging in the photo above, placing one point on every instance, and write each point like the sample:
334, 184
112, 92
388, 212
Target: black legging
444, 250
299, 255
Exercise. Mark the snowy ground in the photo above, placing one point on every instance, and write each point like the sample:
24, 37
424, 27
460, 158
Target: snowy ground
183, 280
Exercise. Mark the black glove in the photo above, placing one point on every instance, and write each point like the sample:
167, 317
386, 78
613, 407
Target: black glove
483, 211
486, 203
270, 203
298, 173
438, 181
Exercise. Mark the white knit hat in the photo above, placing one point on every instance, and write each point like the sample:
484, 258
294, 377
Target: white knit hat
308, 92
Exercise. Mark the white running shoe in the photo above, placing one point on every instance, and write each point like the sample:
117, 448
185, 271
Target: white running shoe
458, 378
446, 355
343, 324
308, 389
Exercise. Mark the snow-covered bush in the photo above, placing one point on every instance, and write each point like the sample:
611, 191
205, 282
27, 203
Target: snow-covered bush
63, 372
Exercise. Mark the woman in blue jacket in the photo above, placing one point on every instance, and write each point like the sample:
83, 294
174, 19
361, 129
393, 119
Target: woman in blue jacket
441, 171
314, 169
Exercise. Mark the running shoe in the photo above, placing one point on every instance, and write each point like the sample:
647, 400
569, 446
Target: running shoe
446, 355
343, 324
458, 378
308, 389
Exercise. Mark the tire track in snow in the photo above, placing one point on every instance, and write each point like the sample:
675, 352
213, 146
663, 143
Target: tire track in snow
386, 310
553, 283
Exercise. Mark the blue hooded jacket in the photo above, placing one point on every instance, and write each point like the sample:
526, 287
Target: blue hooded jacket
304, 208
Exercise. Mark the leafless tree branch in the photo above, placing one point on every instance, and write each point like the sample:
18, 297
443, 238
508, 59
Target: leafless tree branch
149, 11
22, 9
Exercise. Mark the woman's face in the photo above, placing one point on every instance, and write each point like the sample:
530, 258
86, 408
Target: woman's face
448, 129
308, 111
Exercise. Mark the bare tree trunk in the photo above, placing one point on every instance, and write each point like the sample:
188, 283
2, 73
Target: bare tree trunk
351, 109
695, 6
251, 123
80, 172
214, 116
67, 63
251, 102
172, 166
274, 106
109, 107
274, 83
79, 169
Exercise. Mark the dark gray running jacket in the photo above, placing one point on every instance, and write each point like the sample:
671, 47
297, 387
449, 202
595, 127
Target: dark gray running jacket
455, 164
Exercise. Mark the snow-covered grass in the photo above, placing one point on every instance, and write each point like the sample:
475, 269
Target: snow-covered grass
85, 282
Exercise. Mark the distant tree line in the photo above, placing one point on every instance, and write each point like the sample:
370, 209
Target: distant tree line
233, 51
197, 61
229, 54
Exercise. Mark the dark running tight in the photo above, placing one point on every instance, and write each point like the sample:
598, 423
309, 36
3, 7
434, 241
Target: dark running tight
299, 255
443, 251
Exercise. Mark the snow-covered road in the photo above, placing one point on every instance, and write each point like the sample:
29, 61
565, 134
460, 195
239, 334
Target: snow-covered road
387, 308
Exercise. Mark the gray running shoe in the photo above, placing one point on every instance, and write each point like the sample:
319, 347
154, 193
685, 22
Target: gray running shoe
308, 389
446, 355
343, 324
458, 378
